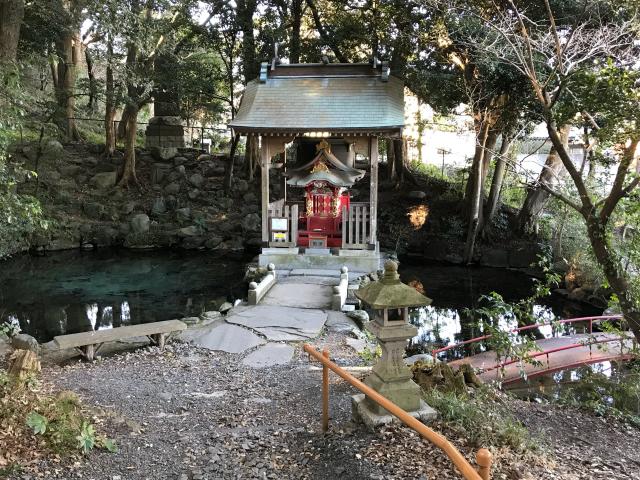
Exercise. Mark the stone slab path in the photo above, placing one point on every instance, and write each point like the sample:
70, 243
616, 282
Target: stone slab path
280, 323
299, 295
224, 337
269, 355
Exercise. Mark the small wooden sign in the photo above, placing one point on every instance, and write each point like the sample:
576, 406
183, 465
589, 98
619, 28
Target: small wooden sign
279, 224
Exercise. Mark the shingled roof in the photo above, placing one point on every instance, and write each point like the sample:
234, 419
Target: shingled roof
344, 99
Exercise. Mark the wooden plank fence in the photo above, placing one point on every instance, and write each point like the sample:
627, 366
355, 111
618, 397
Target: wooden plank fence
356, 226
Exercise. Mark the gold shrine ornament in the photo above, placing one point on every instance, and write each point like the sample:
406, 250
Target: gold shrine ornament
323, 145
320, 166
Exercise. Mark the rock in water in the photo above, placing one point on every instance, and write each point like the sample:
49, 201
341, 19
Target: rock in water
140, 223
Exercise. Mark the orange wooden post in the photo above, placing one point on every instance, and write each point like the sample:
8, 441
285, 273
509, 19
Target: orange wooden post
325, 392
483, 459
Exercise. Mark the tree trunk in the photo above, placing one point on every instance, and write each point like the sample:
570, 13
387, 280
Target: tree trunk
245, 11
537, 196
474, 189
69, 50
11, 15
228, 174
110, 104
129, 171
93, 84
296, 21
251, 156
613, 272
493, 201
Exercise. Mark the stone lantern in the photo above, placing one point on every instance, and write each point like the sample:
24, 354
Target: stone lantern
390, 300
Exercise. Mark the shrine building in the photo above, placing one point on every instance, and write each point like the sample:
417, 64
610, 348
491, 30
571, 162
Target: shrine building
318, 127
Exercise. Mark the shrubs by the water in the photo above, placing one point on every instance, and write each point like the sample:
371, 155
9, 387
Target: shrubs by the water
479, 417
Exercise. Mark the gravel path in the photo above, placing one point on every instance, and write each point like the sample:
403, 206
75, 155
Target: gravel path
189, 414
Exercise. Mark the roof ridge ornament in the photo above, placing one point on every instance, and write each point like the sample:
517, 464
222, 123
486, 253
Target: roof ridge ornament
264, 67
323, 145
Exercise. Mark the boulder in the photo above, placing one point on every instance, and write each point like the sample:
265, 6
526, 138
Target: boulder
172, 189
183, 214
171, 202
128, 208
196, 180
52, 150
578, 294
250, 197
22, 341
193, 194
140, 223
359, 316
179, 161
417, 194
104, 180
251, 223
205, 157
50, 178
190, 231
70, 171
164, 153
93, 210
213, 242
181, 171
225, 307
241, 186
191, 243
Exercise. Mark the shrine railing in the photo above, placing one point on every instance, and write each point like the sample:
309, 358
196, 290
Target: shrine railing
283, 234
356, 226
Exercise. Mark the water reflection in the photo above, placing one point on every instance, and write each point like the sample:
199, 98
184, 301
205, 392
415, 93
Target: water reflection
455, 289
71, 292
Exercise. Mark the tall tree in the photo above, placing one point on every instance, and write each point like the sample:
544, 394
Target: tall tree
11, 15
575, 64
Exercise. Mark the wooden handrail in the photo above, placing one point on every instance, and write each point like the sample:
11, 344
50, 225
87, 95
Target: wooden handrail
483, 456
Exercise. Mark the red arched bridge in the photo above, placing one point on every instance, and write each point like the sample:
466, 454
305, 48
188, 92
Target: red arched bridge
552, 354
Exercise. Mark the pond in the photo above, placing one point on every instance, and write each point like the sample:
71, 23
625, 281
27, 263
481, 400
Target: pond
454, 288
75, 291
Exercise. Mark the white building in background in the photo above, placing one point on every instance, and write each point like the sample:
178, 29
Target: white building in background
452, 140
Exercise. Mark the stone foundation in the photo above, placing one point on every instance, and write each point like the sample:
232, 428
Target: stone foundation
362, 413
293, 258
166, 132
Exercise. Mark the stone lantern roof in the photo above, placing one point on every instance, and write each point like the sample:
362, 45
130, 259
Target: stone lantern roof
390, 292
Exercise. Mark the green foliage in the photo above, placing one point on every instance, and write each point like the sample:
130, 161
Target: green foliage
20, 215
497, 316
37, 422
481, 418
87, 437
10, 328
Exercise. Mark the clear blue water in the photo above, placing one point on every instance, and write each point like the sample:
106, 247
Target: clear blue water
75, 291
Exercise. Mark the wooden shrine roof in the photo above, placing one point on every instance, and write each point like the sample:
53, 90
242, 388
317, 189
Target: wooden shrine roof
348, 99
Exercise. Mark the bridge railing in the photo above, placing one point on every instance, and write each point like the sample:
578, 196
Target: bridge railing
483, 456
621, 356
591, 320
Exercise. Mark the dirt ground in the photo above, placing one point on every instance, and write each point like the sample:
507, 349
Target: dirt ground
190, 414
